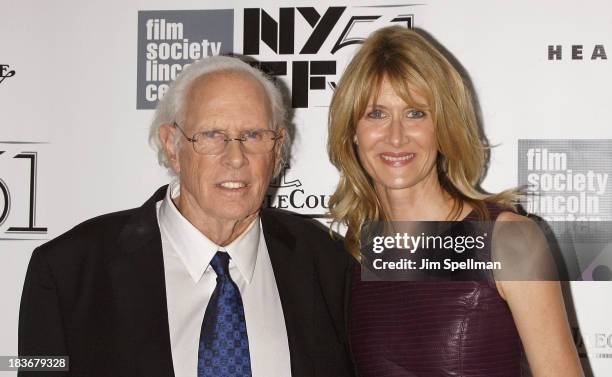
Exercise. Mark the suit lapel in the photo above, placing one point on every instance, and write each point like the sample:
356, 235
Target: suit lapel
295, 279
138, 296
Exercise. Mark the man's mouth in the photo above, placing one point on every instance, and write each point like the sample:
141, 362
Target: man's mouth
232, 185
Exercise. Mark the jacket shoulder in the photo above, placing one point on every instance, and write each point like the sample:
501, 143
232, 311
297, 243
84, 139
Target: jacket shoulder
306, 230
299, 224
88, 235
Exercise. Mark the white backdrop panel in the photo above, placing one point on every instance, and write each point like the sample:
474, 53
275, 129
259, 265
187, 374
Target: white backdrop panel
74, 92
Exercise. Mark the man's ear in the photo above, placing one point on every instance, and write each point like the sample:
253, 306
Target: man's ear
278, 152
278, 148
166, 136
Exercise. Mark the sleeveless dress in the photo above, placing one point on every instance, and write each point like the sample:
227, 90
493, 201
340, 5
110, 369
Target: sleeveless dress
433, 329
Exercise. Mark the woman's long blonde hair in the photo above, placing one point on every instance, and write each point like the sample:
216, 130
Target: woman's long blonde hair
407, 60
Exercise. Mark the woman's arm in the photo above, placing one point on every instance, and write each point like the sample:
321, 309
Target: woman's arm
539, 314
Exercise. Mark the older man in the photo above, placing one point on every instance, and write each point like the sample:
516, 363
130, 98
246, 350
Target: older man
199, 281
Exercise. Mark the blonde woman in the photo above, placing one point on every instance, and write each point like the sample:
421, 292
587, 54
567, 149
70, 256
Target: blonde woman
403, 134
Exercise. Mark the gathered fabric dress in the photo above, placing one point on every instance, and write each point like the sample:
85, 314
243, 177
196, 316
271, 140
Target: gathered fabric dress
433, 329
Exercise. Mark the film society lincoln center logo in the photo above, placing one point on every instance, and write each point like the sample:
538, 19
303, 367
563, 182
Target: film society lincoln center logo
567, 183
567, 180
170, 40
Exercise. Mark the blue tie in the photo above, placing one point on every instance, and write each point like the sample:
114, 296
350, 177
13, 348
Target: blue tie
224, 344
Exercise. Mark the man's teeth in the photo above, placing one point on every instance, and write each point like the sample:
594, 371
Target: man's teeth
232, 185
403, 158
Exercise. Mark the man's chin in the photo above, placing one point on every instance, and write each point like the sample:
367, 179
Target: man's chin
238, 215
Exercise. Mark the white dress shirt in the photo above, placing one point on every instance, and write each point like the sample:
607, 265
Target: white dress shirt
190, 282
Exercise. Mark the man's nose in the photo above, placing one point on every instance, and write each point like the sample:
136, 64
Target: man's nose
234, 155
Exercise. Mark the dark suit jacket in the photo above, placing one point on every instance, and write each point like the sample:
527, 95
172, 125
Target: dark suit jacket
97, 294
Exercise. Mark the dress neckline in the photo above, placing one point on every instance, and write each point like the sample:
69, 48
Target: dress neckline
470, 215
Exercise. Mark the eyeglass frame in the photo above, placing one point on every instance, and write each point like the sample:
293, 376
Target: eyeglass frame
227, 139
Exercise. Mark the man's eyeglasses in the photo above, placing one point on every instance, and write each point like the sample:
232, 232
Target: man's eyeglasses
213, 142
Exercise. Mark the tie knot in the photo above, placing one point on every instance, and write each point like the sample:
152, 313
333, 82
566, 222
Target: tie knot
220, 263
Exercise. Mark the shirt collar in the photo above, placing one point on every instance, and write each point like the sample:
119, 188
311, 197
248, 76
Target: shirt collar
195, 249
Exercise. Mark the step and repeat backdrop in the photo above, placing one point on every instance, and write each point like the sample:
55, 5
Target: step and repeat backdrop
79, 82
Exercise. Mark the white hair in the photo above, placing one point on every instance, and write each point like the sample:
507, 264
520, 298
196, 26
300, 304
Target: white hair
171, 107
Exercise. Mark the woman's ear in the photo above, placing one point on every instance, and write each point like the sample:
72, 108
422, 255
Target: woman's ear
355, 141
166, 136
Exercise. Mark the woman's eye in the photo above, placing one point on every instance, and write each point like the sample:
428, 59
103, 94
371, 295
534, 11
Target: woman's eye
376, 114
416, 114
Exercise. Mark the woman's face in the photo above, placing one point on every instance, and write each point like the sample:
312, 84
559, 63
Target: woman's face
396, 143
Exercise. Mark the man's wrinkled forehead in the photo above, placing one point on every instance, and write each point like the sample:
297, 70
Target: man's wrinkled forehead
228, 88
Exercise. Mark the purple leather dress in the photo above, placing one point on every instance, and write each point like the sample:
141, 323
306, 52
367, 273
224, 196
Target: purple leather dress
431, 329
